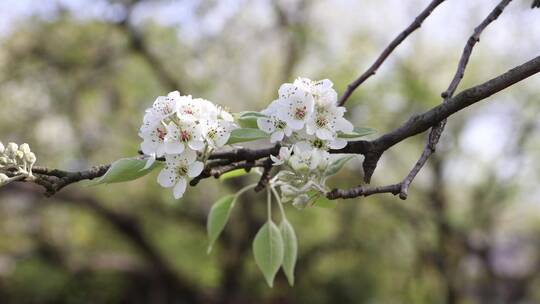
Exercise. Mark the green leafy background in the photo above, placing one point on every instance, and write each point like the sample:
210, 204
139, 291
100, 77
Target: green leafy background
74, 83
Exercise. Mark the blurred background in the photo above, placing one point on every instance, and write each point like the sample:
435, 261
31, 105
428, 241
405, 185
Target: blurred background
76, 76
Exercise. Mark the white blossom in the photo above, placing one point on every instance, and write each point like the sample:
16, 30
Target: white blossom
283, 156
294, 106
163, 107
322, 90
185, 133
310, 142
217, 132
178, 169
272, 124
327, 120
153, 139
303, 160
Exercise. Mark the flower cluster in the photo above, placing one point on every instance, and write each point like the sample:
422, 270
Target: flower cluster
16, 159
306, 111
183, 130
308, 121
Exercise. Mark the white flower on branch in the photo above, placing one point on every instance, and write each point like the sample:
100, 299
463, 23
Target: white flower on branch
177, 127
272, 124
327, 120
294, 106
181, 134
283, 156
19, 159
178, 169
321, 90
217, 132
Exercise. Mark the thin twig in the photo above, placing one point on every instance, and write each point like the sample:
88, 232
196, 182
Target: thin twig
388, 50
437, 130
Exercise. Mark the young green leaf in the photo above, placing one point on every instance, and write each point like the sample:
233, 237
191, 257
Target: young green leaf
356, 133
268, 250
233, 174
290, 249
246, 134
248, 119
125, 169
217, 218
337, 164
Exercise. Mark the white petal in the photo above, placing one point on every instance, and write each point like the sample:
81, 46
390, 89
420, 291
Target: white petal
180, 188
276, 160
166, 177
338, 143
196, 145
288, 131
324, 134
149, 147
189, 156
277, 136
287, 89
303, 146
222, 139
344, 125
174, 94
195, 169
266, 124
150, 161
160, 151
310, 127
295, 124
174, 147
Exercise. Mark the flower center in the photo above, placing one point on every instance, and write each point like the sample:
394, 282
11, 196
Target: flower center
321, 121
300, 113
181, 170
161, 133
212, 133
184, 135
280, 124
317, 143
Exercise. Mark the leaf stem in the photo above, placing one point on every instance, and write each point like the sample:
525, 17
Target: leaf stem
269, 204
280, 204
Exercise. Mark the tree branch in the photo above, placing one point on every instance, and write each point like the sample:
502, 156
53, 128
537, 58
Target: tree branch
436, 131
54, 180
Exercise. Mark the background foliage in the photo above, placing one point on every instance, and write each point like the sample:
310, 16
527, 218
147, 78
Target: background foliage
75, 77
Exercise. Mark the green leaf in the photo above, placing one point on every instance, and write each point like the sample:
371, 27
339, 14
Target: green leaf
246, 134
233, 174
337, 164
356, 133
290, 249
217, 218
125, 169
268, 249
251, 114
248, 119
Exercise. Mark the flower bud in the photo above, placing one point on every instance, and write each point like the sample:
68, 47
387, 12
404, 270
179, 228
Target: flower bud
301, 201
11, 150
24, 148
2, 148
288, 193
19, 154
30, 158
